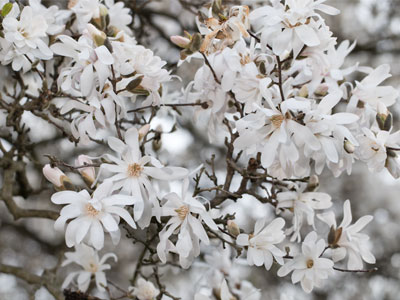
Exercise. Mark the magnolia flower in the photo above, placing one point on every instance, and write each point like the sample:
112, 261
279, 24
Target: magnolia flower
133, 173
89, 64
147, 67
92, 215
186, 215
145, 290
373, 147
88, 259
368, 91
302, 204
55, 17
227, 32
261, 243
24, 39
99, 113
251, 87
87, 10
223, 293
309, 267
291, 25
277, 133
347, 240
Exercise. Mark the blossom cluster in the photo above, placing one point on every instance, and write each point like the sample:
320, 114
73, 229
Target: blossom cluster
272, 82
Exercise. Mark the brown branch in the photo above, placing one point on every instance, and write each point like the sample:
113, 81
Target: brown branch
30, 278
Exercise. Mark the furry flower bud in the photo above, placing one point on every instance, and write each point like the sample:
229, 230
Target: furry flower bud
56, 177
88, 173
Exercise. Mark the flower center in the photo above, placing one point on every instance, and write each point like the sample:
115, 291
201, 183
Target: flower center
277, 120
134, 170
91, 211
375, 147
92, 267
182, 212
310, 263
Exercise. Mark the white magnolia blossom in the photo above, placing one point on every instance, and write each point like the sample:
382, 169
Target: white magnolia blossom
132, 174
25, 39
373, 147
309, 267
148, 70
369, 91
89, 62
280, 95
92, 266
87, 10
302, 205
291, 25
145, 290
261, 244
224, 293
92, 215
186, 216
348, 241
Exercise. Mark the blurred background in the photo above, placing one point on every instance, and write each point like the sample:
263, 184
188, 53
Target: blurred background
374, 24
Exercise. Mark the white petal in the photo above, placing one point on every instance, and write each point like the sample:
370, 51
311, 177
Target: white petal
307, 35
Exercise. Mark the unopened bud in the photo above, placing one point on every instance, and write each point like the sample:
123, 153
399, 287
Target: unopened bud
157, 138
348, 147
233, 228
103, 10
303, 91
56, 177
134, 84
98, 36
384, 117
180, 41
321, 90
143, 131
196, 42
313, 183
334, 236
88, 173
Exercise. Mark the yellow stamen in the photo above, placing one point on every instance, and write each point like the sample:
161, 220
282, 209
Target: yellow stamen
310, 263
277, 120
134, 170
91, 211
182, 212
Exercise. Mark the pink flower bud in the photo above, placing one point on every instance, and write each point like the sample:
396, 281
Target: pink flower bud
180, 41
55, 176
88, 173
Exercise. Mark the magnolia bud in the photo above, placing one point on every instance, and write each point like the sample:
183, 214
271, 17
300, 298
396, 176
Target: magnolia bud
143, 131
321, 90
88, 173
103, 10
384, 117
313, 183
349, 147
233, 229
157, 138
180, 41
303, 91
99, 37
56, 177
